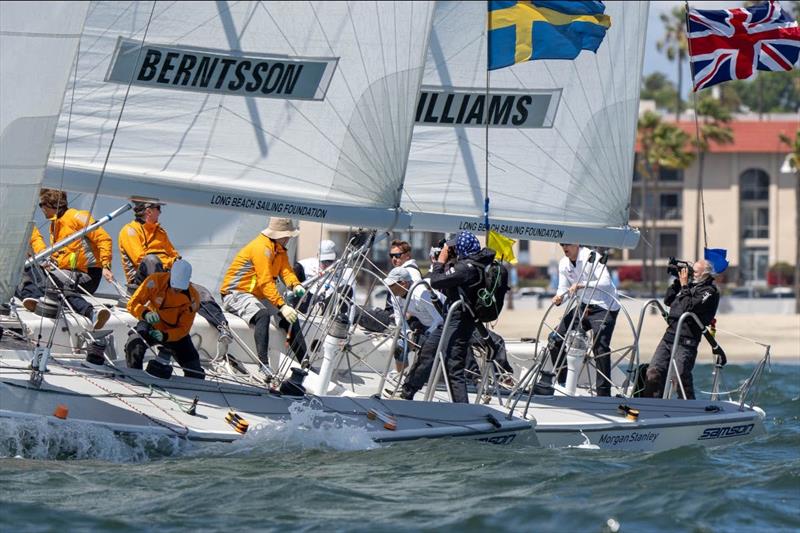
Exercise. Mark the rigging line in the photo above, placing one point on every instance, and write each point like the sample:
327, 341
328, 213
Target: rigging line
577, 124
593, 117
486, 140
370, 91
620, 122
69, 116
103, 59
700, 197
544, 181
576, 152
277, 139
119, 119
384, 80
312, 123
356, 107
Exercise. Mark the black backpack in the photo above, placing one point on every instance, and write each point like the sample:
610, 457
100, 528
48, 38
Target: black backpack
491, 290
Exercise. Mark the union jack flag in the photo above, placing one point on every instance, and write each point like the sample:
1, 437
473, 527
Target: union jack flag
731, 44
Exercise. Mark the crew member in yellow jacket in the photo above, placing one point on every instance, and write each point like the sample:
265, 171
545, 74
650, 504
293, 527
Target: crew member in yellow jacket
83, 262
165, 304
145, 248
249, 290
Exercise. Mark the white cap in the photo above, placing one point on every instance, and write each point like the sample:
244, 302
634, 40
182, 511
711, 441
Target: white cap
180, 274
327, 251
398, 274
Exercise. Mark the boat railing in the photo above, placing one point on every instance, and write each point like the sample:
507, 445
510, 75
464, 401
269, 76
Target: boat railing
438, 361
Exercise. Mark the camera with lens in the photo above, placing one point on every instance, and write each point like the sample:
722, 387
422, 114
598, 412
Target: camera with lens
674, 266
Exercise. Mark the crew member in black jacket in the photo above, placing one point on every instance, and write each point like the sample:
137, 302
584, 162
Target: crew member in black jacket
700, 297
460, 280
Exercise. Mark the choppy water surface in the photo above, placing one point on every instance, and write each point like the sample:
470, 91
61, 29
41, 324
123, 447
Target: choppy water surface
291, 480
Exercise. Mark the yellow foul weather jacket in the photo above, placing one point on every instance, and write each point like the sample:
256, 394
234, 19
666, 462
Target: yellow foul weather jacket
92, 250
175, 309
255, 269
137, 240
37, 241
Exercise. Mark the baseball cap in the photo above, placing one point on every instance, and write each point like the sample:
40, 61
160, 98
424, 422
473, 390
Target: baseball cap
180, 274
396, 275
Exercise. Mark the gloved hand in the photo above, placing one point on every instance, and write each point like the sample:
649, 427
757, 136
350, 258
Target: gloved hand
299, 291
150, 317
157, 335
289, 314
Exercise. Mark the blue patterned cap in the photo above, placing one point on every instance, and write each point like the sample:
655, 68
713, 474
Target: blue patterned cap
467, 244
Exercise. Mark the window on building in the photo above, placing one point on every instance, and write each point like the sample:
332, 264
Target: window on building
668, 244
755, 262
670, 206
755, 222
754, 185
670, 174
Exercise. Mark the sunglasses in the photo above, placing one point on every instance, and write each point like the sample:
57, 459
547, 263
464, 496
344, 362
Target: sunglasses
396, 256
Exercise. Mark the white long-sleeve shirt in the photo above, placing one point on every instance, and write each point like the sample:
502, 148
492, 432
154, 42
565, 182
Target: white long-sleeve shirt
593, 275
419, 307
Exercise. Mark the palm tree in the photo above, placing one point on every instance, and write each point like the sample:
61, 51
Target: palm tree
714, 128
794, 163
662, 145
675, 45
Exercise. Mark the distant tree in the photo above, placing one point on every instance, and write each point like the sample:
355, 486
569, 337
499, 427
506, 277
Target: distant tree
714, 128
794, 163
769, 92
661, 145
675, 46
658, 87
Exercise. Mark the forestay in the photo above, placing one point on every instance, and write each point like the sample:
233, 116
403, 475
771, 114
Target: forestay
561, 136
37, 48
299, 109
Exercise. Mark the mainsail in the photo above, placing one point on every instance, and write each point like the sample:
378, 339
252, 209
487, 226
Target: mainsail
299, 109
561, 135
37, 48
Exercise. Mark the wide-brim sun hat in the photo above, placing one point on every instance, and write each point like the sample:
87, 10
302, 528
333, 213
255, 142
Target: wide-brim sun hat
279, 228
327, 251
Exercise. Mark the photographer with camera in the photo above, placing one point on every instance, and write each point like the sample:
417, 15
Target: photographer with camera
699, 296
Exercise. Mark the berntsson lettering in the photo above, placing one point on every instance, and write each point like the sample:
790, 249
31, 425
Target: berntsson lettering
221, 71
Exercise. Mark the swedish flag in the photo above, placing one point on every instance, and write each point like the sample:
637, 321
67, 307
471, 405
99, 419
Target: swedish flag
524, 30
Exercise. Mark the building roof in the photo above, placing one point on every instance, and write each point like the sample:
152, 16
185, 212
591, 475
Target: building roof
751, 136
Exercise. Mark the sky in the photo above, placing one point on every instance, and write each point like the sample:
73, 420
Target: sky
654, 61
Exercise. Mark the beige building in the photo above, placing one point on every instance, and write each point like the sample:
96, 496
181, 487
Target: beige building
749, 207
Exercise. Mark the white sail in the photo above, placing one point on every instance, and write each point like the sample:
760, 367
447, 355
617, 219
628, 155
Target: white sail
561, 153
301, 109
37, 48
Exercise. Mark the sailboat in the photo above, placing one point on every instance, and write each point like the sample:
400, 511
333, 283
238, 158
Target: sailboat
235, 105
368, 143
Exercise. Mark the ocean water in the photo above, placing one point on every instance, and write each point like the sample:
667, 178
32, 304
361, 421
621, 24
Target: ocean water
291, 479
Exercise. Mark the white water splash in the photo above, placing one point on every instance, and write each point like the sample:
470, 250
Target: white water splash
308, 427
40, 438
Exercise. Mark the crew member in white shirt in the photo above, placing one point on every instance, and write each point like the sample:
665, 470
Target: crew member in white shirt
598, 304
400, 256
420, 307
322, 289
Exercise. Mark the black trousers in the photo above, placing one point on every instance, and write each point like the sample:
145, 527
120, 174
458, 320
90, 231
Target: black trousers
458, 334
602, 323
34, 281
420, 371
685, 357
185, 352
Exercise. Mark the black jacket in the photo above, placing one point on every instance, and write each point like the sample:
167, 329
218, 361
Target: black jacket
701, 299
464, 274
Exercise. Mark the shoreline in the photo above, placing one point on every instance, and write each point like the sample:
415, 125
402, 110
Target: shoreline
781, 332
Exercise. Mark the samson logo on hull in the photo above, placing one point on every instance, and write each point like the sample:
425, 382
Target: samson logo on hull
501, 108
724, 432
220, 71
